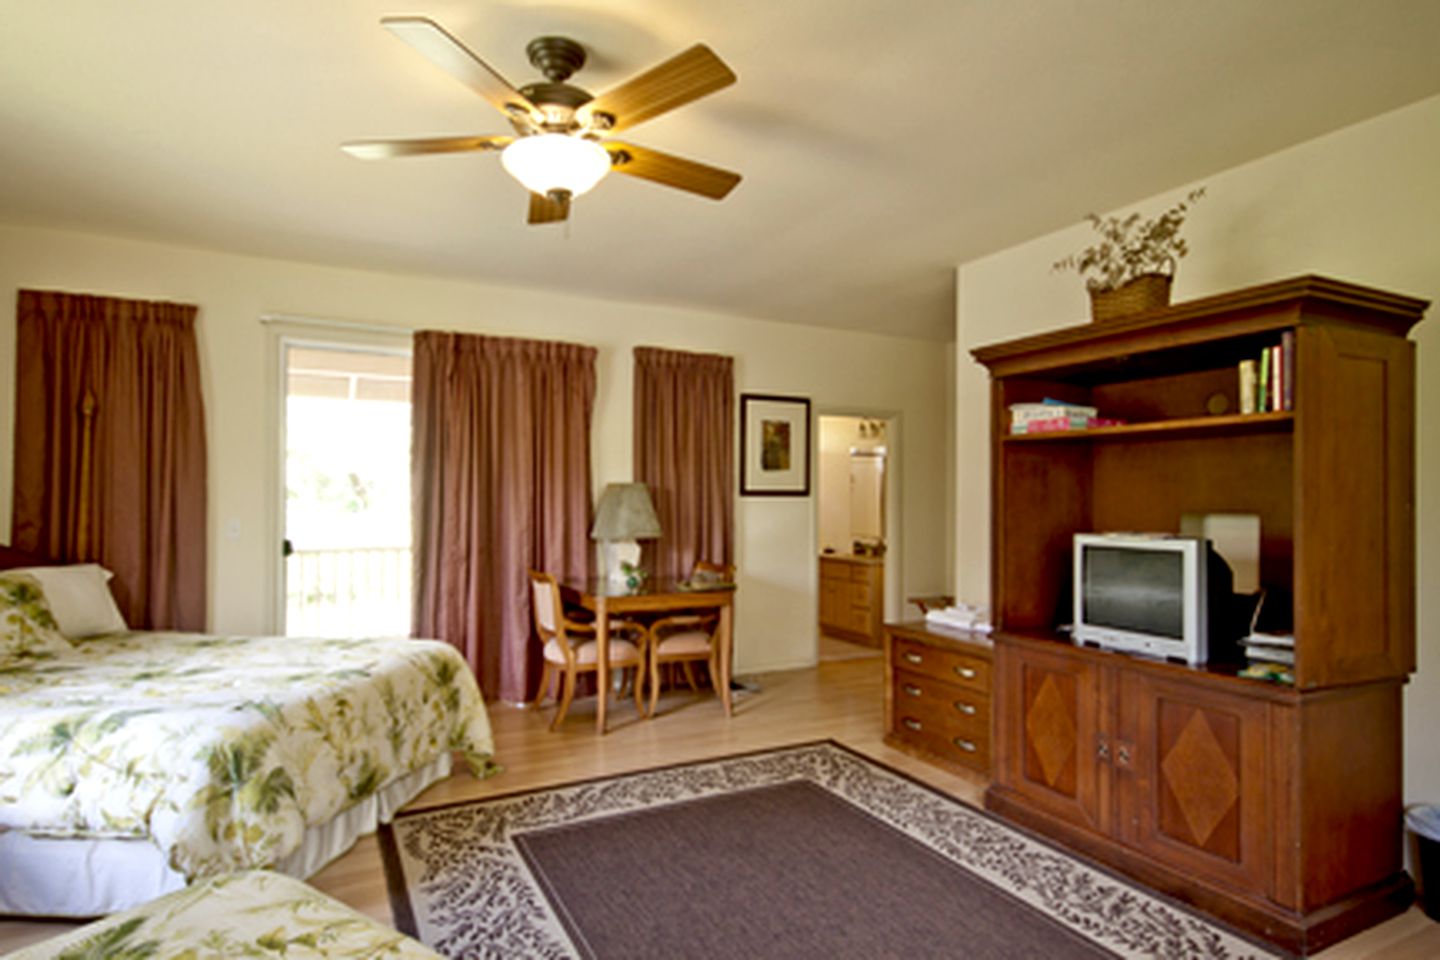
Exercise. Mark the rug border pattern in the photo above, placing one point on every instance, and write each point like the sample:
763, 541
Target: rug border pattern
435, 850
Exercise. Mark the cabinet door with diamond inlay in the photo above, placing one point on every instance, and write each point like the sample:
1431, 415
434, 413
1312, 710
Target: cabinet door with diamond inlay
1051, 735
1193, 790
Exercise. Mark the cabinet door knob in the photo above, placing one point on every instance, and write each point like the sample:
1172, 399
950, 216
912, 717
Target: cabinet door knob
1102, 749
966, 708
967, 745
967, 672
911, 724
1122, 755
914, 658
911, 690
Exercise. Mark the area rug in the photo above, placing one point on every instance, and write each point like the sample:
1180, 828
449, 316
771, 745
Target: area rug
805, 851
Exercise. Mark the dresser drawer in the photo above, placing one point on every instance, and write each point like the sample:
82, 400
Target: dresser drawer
949, 667
955, 746
942, 704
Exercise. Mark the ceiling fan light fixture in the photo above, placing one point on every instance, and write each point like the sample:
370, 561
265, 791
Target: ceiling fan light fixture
550, 162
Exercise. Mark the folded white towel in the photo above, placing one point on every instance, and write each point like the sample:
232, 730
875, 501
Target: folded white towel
962, 617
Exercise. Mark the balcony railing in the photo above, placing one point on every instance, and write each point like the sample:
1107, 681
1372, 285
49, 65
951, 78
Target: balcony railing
359, 592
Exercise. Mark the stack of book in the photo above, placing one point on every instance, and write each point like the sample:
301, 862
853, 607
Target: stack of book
1270, 647
1268, 383
1271, 657
1053, 415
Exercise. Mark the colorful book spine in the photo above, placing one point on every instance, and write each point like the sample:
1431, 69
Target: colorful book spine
1052, 424
1053, 415
1277, 378
1248, 386
1057, 424
1268, 383
1262, 385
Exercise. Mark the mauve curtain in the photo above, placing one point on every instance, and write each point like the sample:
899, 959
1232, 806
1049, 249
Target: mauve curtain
500, 471
146, 488
685, 453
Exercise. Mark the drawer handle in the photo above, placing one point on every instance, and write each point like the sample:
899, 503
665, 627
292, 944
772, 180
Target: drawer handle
914, 658
967, 672
911, 724
967, 745
966, 708
911, 690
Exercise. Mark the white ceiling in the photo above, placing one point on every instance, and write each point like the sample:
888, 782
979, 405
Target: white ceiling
881, 143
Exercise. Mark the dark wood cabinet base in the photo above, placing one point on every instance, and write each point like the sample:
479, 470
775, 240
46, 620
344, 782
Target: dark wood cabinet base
1302, 934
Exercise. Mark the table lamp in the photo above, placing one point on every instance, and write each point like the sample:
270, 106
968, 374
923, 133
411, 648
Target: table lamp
624, 515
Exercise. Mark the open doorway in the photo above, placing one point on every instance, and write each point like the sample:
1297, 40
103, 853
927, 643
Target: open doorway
854, 495
347, 490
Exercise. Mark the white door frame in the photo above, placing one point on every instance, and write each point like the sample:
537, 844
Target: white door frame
894, 599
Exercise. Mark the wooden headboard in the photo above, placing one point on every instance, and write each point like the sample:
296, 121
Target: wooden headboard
11, 558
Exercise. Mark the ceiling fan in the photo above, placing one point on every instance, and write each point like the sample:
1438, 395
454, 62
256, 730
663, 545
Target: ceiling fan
561, 146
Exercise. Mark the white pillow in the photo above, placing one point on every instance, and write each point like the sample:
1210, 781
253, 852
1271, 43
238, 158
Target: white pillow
79, 598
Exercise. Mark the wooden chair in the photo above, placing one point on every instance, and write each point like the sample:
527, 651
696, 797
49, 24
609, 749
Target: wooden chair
687, 638
568, 653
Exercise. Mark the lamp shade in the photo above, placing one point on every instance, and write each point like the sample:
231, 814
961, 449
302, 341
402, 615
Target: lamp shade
625, 513
548, 162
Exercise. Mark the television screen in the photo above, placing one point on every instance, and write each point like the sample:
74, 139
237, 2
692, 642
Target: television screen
1137, 590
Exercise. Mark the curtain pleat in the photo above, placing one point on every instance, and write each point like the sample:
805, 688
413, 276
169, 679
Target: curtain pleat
501, 485
684, 452
145, 494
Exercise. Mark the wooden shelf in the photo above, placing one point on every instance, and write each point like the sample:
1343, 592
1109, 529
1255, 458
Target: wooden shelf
1234, 424
1215, 672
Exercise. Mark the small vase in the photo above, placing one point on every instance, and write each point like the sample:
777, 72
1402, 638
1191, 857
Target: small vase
1149, 291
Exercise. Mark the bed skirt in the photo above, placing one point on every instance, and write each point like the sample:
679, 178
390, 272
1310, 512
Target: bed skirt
83, 878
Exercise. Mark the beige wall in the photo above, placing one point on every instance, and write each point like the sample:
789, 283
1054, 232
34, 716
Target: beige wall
775, 537
1361, 204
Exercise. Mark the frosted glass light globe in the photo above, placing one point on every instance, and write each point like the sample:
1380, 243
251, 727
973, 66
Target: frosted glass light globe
555, 161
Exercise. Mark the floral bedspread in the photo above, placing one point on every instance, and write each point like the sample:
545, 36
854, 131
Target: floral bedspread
254, 914
222, 750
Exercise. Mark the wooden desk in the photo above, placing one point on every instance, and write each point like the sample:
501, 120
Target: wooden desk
654, 596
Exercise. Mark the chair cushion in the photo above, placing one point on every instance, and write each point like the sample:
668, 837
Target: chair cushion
684, 643
621, 652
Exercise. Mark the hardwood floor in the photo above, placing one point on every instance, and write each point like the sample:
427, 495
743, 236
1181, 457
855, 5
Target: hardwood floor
837, 648
839, 700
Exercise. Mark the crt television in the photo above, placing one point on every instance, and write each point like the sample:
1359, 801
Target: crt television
1146, 593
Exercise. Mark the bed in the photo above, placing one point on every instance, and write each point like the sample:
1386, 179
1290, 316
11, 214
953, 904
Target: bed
249, 914
132, 763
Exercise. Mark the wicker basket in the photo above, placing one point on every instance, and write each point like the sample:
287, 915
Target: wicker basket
1149, 291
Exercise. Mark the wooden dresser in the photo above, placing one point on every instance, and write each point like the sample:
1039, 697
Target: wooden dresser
852, 597
937, 694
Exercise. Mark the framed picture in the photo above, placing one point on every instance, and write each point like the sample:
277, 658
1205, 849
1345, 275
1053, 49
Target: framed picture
774, 446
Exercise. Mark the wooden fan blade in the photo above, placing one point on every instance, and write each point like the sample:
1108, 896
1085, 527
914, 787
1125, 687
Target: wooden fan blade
385, 149
674, 83
449, 54
545, 209
670, 170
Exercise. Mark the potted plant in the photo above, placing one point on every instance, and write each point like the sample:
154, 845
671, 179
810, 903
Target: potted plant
1130, 268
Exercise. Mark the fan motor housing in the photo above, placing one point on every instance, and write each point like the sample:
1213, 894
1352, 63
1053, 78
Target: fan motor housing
557, 58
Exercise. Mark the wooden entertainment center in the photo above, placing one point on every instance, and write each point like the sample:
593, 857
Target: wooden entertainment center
1275, 807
